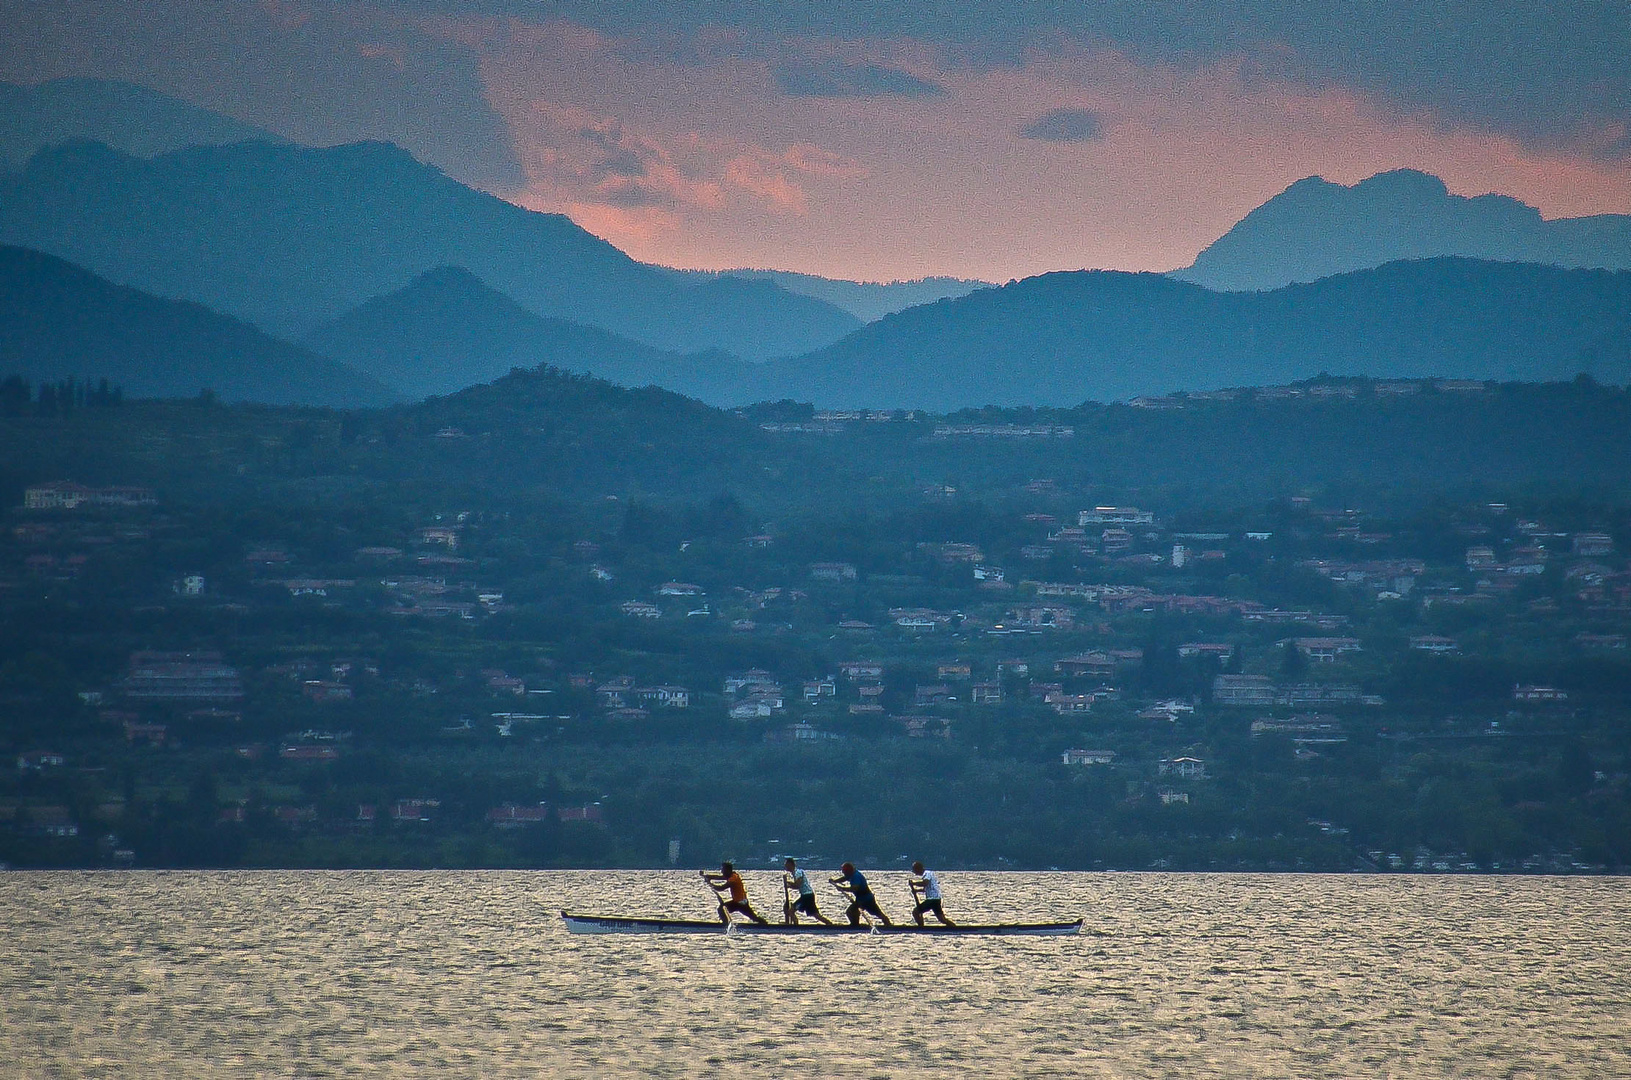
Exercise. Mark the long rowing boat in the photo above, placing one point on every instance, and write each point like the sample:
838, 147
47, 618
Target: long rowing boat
617, 924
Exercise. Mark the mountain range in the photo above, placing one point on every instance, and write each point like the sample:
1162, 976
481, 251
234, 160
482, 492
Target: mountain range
290, 237
398, 281
1062, 338
1315, 229
130, 118
1054, 340
61, 321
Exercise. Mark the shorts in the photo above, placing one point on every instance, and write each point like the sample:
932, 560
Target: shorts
863, 902
806, 903
926, 906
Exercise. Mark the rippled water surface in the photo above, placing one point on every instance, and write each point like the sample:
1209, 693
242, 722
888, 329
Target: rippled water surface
471, 974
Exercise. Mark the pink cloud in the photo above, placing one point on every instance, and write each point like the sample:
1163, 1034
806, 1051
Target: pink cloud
396, 54
758, 176
900, 185
288, 14
819, 162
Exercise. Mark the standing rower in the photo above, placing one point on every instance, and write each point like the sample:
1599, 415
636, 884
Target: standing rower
728, 881
852, 882
926, 888
798, 880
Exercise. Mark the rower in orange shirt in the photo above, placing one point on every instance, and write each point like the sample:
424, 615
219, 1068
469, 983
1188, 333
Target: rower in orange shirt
728, 881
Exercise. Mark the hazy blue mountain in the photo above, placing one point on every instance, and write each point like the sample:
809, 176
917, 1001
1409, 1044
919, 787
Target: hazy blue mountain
1063, 338
866, 300
130, 118
291, 237
447, 330
1315, 229
61, 321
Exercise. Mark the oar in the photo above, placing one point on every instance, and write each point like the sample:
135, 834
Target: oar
787, 903
719, 898
849, 898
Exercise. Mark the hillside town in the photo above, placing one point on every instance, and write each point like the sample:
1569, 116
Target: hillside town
1146, 685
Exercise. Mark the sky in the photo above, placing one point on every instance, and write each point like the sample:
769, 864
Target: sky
890, 140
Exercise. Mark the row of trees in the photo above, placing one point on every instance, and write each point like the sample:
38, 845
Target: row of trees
19, 398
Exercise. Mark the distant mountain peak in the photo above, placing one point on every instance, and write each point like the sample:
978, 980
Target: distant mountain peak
1316, 228
452, 282
447, 329
1407, 182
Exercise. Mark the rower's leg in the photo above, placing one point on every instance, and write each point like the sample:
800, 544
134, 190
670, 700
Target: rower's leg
854, 913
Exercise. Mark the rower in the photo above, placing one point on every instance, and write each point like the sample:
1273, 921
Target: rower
798, 880
728, 881
926, 891
852, 883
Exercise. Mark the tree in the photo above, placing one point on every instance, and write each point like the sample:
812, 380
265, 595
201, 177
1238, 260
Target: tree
1293, 665
15, 395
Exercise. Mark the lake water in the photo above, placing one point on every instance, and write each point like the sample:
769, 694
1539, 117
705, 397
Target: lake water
372, 974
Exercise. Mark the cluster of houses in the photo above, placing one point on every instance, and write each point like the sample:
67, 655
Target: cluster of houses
414, 812
837, 421
1317, 391
753, 695
1310, 733
621, 699
1172, 769
67, 495
1261, 691
860, 686
1123, 534
181, 677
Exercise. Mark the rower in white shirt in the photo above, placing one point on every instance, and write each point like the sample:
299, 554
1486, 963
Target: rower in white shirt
798, 881
926, 887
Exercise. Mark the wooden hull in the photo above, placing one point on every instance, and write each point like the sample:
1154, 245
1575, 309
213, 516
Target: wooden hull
614, 924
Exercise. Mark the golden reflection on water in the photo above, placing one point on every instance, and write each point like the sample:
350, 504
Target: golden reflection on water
471, 974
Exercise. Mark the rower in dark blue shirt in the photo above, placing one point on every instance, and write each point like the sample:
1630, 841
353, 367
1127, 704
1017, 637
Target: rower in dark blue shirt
852, 883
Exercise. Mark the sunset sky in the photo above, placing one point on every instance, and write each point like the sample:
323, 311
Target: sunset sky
892, 140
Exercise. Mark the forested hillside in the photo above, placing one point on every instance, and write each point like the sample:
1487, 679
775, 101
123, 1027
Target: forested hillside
1064, 338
